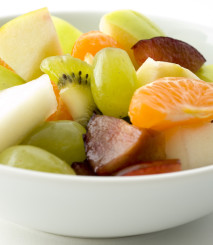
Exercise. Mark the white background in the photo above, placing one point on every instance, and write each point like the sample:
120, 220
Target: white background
200, 12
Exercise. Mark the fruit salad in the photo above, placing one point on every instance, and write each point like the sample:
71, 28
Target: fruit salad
123, 100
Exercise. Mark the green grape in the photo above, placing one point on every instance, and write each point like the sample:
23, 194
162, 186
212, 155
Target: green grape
34, 158
62, 138
8, 78
115, 81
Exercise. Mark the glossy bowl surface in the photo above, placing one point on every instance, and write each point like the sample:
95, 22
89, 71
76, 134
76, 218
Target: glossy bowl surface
110, 206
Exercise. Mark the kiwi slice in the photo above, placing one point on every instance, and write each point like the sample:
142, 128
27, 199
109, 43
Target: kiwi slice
73, 77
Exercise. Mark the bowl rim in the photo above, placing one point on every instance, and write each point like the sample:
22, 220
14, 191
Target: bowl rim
45, 176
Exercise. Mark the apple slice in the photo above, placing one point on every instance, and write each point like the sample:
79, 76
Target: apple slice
26, 40
24, 107
170, 50
112, 144
192, 144
152, 70
155, 167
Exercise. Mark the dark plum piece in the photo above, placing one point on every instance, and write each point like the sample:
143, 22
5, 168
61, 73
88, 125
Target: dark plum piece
155, 167
170, 50
83, 168
112, 144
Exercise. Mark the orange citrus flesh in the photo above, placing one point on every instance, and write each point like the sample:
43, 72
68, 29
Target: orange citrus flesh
91, 42
171, 101
4, 64
62, 112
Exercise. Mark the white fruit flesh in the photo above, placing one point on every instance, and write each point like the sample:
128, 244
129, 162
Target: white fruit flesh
24, 107
152, 70
26, 40
192, 144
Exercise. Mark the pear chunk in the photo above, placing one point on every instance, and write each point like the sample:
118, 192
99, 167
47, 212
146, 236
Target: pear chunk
152, 70
24, 107
26, 40
191, 144
112, 144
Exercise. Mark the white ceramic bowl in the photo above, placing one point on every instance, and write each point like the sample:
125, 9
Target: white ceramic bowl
110, 206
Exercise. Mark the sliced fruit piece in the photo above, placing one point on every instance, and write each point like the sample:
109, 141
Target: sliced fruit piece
34, 158
128, 27
8, 78
92, 42
152, 70
89, 58
171, 101
170, 50
192, 144
62, 138
73, 77
4, 64
23, 108
83, 168
62, 112
112, 144
206, 73
114, 81
155, 167
67, 34
40, 40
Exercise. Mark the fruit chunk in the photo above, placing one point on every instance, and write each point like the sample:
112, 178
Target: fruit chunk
62, 112
114, 81
112, 144
155, 167
8, 78
34, 158
26, 40
24, 107
92, 42
62, 138
171, 101
128, 27
73, 77
67, 34
4, 64
152, 70
83, 168
192, 144
170, 50
206, 73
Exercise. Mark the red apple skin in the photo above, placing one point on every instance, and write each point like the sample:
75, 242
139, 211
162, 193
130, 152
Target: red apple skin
169, 50
155, 167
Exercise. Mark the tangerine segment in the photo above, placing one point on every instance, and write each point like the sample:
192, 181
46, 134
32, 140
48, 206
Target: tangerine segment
62, 112
4, 64
92, 42
171, 101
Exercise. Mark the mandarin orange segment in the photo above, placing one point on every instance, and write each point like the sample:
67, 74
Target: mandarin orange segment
171, 101
62, 113
4, 64
92, 42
